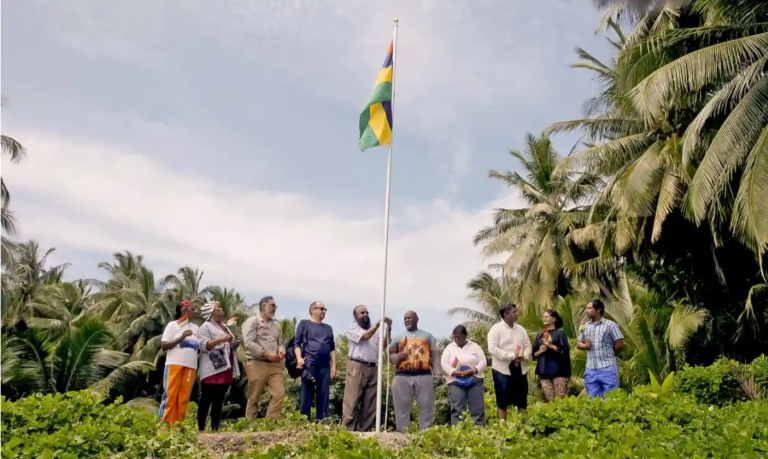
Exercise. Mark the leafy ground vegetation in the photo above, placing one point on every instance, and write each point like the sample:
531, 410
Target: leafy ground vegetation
706, 415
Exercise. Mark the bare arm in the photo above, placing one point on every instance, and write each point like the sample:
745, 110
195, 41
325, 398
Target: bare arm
582, 342
370, 332
434, 356
396, 354
618, 345
167, 342
167, 345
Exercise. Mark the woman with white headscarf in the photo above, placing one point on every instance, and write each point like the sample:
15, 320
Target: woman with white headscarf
218, 364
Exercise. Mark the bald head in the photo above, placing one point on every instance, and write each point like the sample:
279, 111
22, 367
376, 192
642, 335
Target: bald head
317, 311
411, 321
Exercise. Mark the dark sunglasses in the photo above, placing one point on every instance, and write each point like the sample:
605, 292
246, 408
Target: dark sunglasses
322, 309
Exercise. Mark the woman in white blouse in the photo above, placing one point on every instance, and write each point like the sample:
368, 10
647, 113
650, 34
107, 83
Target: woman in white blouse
463, 362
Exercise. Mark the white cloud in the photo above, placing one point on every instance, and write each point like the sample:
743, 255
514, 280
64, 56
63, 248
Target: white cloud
80, 197
455, 58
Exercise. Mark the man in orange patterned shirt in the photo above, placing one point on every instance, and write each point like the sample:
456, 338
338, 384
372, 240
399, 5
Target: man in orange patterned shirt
418, 369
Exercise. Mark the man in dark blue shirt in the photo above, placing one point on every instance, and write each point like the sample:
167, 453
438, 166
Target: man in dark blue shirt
316, 354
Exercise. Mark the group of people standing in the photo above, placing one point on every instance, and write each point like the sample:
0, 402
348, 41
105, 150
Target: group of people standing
418, 366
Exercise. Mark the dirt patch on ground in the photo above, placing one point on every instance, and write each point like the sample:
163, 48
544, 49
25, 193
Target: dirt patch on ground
232, 442
388, 439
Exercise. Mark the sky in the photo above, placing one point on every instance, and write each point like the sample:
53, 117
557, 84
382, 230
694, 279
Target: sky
223, 136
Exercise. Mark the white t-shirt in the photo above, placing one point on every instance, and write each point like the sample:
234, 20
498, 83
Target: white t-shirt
184, 356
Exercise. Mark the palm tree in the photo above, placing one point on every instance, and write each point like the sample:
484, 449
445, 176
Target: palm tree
288, 327
640, 160
61, 305
535, 236
37, 362
125, 268
27, 281
725, 56
489, 293
11, 147
694, 73
186, 284
230, 301
656, 329
15, 150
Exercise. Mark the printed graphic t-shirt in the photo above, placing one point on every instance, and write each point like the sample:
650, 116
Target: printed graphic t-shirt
183, 355
418, 345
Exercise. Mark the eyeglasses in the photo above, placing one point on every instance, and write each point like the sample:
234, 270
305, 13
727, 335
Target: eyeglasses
322, 309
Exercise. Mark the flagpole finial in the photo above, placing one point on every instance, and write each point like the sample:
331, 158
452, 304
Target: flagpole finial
397, 20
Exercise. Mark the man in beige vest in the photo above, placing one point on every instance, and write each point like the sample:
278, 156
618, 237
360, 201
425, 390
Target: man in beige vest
265, 351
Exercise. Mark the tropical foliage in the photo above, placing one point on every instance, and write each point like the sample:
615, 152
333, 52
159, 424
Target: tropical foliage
661, 211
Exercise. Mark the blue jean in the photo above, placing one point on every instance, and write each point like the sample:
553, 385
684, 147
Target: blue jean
600, 381
318, 392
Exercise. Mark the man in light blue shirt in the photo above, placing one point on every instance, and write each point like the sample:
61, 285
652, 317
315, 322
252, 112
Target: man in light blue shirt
359, 407
602, 340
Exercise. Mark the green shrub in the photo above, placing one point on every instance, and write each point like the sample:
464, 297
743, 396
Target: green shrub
712, 385
760, 368
80, 424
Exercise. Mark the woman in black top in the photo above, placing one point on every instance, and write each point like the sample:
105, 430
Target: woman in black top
553, 355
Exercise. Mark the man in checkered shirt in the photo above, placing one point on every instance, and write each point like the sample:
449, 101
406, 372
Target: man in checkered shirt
602, 340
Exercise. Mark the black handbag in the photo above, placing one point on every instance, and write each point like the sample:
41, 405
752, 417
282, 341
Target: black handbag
218, 358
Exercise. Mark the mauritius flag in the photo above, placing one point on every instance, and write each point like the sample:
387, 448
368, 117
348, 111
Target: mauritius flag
376, 118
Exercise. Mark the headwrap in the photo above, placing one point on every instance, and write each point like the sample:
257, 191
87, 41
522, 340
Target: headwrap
207, 310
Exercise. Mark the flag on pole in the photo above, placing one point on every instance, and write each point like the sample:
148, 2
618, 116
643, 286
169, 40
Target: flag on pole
455, 363
376, 119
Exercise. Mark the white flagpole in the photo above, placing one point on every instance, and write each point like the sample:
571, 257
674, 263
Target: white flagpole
383, 326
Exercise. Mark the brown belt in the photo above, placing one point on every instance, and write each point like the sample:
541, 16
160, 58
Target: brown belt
363, 362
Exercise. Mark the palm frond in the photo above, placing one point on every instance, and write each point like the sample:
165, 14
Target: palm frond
12, 148
122, 375
728, 150
696, 70
750, 219
685, 321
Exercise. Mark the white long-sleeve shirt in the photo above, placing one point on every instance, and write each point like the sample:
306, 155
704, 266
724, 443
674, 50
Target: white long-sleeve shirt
502, 340
471, 355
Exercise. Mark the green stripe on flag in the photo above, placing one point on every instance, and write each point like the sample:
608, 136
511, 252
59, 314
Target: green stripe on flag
368, 138
382, 92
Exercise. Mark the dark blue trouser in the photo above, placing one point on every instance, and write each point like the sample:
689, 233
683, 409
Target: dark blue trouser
319, 392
